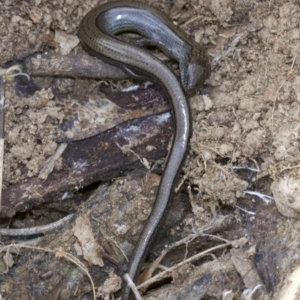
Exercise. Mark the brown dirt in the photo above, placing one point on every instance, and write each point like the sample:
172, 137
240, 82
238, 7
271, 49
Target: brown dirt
245, 137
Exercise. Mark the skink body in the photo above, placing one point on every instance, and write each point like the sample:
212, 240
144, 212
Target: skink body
97, 32
125, 16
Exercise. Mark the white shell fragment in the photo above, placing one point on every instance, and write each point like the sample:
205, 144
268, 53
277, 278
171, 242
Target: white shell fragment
286, 193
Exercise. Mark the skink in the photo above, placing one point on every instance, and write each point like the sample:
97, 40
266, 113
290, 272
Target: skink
97, 32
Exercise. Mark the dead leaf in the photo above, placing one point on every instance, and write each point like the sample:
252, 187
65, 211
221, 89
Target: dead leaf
8, 260
91, 250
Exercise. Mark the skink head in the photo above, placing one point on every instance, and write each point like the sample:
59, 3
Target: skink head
195, 70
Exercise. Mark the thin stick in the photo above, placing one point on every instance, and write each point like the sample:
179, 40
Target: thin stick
35, 230
189, 260
132, 286
50, 162
1, 134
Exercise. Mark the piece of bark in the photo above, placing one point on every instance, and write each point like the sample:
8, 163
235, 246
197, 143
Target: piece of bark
99, 158
82, 66
99, 114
